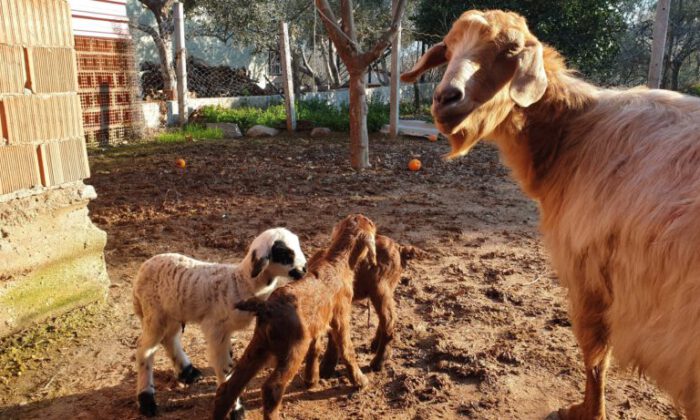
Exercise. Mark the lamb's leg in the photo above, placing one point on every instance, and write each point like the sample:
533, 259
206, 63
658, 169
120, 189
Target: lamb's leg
218, 350
151, 336
250, 363
340, 330
311, 374
386, 311
186, 373
330, 359
591, 332
276, 384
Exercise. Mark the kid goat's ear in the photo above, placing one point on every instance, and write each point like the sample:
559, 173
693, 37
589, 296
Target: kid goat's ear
259, 264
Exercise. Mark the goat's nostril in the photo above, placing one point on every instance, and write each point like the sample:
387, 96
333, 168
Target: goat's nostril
448, 95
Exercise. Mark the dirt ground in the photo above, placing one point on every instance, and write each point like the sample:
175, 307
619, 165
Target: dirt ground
483, 329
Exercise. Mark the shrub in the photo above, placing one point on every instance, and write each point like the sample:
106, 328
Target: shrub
197, 132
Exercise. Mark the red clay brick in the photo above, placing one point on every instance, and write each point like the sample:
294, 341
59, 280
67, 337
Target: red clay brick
36, 23
12, 73
19, 168
63, 162
52, 70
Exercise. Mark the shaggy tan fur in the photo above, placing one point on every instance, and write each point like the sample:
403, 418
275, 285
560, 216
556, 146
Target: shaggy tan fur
617, 177
293, 321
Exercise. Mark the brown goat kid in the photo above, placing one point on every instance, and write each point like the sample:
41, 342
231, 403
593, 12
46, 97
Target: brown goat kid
376, 282
616, 174
292, 322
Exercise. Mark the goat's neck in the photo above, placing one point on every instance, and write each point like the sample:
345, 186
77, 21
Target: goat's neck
533, 139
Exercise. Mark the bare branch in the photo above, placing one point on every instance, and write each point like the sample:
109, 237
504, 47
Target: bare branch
387, 37
347, 48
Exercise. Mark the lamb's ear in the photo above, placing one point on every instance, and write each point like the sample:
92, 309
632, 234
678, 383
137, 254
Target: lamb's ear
259, 264
435, 56
530, 79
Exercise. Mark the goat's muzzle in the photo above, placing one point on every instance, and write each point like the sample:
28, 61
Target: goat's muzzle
297, 274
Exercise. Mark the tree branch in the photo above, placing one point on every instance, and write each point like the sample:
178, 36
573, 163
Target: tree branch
387, 37
346, 47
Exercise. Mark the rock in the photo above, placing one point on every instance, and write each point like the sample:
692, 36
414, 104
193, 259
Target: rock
321, 132
262, 131
230, 130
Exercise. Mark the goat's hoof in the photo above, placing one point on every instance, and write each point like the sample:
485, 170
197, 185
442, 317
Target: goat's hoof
577, 412
189, 375
237, 413
311, 384
361, 381
147, 404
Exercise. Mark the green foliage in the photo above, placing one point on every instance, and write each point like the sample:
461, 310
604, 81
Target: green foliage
320, 113
584, 31
694, 89
196, 132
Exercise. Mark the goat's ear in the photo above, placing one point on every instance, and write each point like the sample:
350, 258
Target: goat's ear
259, 264
435, 56
530, 80
370, 245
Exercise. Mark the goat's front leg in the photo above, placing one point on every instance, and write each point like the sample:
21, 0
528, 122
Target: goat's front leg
340, 331
386, 311
219, 352
590, 329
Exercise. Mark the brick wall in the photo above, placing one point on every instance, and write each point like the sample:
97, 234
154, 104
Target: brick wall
42, 142
108, 90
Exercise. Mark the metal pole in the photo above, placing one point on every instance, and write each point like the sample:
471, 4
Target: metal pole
658, 45
286, 61
395, 95
181, 61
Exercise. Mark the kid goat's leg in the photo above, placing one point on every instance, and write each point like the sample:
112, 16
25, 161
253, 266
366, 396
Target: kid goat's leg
340, 330
386, 310
287, 366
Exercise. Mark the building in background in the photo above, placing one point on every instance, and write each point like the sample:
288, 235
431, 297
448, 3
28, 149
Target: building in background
107, 75
51, 255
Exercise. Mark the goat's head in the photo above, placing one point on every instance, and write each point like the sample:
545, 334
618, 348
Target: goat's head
361, 231
277, 253
493, 63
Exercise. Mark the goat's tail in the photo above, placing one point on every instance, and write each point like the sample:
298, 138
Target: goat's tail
258, 306
410, 253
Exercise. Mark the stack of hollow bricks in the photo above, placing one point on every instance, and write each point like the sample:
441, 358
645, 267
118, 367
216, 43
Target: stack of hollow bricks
42, 142
106, 85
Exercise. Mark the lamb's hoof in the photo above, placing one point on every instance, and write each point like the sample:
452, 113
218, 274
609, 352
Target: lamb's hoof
237, 413
147, 404
189, 375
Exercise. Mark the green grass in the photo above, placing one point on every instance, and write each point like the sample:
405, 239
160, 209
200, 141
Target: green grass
320, 113
196, 132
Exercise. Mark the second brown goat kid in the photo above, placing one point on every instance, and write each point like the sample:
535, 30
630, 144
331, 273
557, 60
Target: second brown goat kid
293, 321
377, 283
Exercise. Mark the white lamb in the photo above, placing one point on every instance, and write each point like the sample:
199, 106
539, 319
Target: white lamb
172, 290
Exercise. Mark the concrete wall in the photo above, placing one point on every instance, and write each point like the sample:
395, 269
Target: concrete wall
51, 255
333, 97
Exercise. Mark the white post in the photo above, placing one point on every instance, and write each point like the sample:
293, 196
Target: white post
395, 95
181, 61
286, 62
658, 45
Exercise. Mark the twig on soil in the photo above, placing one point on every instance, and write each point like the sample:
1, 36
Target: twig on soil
165, 198
368, 315
537, 278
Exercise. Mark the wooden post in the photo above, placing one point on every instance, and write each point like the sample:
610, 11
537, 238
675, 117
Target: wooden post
181, 61
395, 95
658, 46
286, 62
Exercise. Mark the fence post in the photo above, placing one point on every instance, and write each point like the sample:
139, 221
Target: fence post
658, 46
395, 95
286, 62
181, 61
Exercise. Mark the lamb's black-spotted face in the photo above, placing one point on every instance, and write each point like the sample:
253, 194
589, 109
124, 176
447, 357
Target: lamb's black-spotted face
279, 254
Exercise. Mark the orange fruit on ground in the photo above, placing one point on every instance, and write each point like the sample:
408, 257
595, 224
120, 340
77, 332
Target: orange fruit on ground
180, 163
414, 165
433, 137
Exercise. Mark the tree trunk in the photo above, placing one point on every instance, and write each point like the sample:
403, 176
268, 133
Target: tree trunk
675, 72
359, 139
